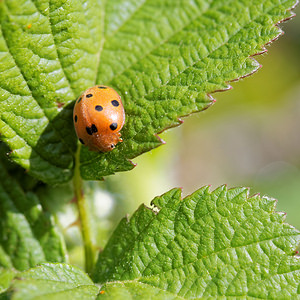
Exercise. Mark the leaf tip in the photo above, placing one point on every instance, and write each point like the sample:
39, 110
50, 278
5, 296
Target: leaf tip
159, 138
292, 14
270, 203
168, 197
132, 163
264, 50
282, 215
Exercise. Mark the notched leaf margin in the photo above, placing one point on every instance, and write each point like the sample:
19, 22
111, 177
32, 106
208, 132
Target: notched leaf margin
229, 86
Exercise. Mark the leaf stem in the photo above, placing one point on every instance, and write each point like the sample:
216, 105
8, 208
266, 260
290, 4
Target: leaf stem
83, 215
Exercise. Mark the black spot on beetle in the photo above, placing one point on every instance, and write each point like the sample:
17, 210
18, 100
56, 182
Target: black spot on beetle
113, 126
92, 129
89, 95
115, 103
79, 100
112, 146
98, 108
102, 87
75, 118
81, 141
89, 130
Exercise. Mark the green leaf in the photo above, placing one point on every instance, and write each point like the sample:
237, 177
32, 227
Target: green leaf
54, 281
135, 290
27, 233
47, 60
27, 182
162, 56
6, 277
219, 244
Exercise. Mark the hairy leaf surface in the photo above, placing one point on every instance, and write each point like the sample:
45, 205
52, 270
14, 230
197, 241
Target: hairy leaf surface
162, 56
210, 244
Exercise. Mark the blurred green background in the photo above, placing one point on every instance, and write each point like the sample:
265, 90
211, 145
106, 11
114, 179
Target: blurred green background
249, 137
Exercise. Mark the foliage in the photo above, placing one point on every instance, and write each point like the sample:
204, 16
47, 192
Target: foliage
54, 281
164, 57
27, 233
210, 244
219, 244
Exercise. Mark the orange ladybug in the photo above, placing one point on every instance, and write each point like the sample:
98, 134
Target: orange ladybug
98, 118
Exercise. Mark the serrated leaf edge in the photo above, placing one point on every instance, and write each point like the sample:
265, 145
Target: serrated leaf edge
209, 94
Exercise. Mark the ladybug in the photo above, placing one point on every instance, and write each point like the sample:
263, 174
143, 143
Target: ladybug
98, 118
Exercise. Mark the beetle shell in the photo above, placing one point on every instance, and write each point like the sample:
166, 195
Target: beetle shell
98, 118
